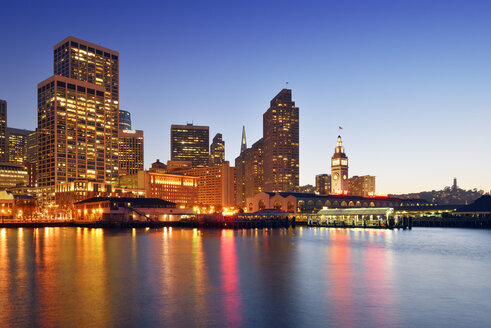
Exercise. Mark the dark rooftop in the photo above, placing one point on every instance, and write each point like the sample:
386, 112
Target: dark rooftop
134, 201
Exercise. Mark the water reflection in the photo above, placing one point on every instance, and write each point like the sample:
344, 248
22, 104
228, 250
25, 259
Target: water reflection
230, 278
79, 277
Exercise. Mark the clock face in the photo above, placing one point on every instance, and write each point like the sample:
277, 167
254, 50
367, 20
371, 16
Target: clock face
335, 162
344, 162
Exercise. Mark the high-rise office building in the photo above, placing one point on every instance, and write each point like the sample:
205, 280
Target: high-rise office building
130, 151
71, 134
272, 163
249, 172
190, 143
362, 185
124, 120
217, 150
32, 147
4, 155
281, 144
32, 157
93, 64
78, 116
323, 184
339, 170
17, 139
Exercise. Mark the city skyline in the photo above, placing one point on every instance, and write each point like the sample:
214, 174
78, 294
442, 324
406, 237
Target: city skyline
413, 113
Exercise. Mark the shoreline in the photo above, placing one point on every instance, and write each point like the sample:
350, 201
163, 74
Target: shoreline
457, 222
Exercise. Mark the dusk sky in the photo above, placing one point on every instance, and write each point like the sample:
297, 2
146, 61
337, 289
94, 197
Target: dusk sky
409, 81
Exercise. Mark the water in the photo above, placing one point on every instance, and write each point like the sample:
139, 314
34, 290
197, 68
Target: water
306, 277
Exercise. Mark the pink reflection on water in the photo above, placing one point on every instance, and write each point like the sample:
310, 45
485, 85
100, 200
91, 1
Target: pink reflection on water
230, 279
340, 277
379, 286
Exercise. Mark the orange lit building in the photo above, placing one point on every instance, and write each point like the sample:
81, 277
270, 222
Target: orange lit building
176, 188
216, 184
68, 193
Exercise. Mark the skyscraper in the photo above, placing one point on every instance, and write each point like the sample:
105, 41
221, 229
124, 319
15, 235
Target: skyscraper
190, 143
4, 155
17, 139
78, 115
272, 163
281, 144
32, 157
217, 150
124, 120
32, 147
339, 170
130, 151
87, 62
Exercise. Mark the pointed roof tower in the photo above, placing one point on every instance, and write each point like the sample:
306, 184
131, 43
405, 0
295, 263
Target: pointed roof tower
243, 145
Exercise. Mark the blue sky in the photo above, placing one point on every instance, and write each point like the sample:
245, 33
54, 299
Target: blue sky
409, 81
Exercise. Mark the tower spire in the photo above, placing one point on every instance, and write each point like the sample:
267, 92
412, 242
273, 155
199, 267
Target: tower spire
243, 145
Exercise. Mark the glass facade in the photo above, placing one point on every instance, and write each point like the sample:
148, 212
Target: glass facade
124, 120
190, 143
217, 150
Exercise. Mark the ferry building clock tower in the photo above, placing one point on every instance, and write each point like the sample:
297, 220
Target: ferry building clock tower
339, 170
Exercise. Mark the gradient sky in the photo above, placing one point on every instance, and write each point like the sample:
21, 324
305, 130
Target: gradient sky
409, 81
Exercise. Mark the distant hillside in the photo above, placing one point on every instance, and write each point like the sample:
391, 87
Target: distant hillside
447, 196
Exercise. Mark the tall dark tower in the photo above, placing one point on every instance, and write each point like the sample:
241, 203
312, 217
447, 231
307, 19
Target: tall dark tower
217, 150
281, 144
339, 170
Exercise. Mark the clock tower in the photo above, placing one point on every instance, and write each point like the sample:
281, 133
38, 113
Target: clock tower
339, 170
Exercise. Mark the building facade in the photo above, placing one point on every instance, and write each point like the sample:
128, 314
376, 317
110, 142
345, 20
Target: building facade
249, 172
217, 150
130, 151
4, 155
73, 135
17, 139
78, 115
362, 185
190, 143
12, 175
87, 62
124, 120
216, 185
323, 184
272, 163
339, 170
310, 203
177, 188
281, 144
